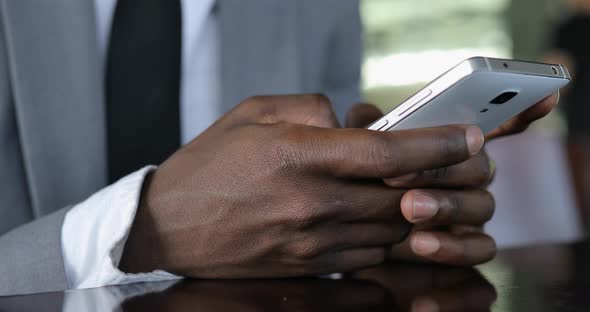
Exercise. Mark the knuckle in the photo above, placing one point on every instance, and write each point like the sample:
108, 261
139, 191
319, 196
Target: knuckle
252, 101
383, 154
252, 107
322, 101
305, 217
308, 249
284, 158
451, 208
320, 112
284, 150
451, 145
335, 208
261, 108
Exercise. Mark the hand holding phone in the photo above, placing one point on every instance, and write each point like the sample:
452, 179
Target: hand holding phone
456, 245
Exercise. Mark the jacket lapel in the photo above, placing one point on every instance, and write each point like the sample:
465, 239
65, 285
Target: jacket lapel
57, 89
259, 49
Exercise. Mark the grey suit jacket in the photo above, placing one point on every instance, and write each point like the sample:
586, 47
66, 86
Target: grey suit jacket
52, 120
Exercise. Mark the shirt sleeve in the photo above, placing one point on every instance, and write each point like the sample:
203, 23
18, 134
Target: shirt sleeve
94, 235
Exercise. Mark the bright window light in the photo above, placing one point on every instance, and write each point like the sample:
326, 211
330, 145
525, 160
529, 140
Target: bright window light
404, 69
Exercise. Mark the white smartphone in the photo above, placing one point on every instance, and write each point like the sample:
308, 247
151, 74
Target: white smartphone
480, 91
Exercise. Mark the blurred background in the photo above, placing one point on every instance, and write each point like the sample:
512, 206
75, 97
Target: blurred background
539, 186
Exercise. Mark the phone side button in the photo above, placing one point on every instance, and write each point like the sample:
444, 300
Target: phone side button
414, 101
382, 124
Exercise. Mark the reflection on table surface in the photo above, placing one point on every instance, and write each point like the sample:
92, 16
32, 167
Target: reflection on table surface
550, 278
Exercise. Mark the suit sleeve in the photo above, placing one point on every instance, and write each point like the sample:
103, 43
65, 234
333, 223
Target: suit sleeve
343, 71
76, 247
31, 259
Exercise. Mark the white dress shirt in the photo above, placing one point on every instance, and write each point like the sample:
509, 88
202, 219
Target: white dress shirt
94, 232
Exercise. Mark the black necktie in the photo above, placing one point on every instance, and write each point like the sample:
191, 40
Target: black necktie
142, 84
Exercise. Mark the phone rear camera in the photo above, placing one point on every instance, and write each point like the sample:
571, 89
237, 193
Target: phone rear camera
504, 97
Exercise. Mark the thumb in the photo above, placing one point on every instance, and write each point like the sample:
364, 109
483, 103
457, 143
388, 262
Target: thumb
362, 115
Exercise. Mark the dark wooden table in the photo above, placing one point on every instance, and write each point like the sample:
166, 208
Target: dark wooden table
543, 278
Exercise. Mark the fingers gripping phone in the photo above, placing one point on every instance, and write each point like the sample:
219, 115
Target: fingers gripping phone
480, 91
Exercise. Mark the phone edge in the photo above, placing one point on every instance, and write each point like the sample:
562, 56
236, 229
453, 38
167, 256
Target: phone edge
437, 87
455, 75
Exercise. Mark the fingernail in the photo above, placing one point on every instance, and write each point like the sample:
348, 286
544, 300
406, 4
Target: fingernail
425, 305
425, 244
425, 207
475, 139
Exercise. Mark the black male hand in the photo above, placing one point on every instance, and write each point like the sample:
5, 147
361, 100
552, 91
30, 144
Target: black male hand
276, 189
449, 222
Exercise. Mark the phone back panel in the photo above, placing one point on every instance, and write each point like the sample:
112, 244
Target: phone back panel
468, 101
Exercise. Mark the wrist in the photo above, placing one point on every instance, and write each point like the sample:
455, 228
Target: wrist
140, 251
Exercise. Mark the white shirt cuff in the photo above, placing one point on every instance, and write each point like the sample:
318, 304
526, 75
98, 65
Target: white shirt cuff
94, 234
